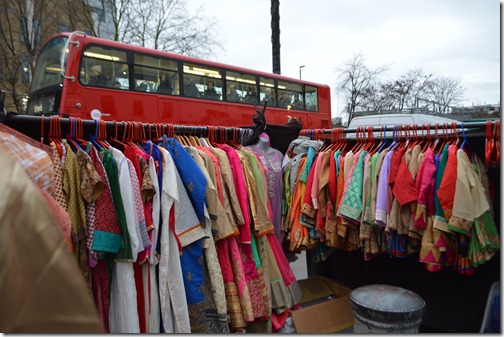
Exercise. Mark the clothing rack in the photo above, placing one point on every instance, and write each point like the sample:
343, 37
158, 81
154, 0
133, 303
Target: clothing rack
470, 129
39, 128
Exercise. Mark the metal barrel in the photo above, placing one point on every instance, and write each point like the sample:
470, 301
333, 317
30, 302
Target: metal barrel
381, 308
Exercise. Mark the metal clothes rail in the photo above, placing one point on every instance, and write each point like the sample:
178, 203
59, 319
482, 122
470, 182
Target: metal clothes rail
470, 129
39, 128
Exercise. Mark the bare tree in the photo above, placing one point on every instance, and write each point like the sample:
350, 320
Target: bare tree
356, 81
445, 91
20, 39
403, 93
164, 25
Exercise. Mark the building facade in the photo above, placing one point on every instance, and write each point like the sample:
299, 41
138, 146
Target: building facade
24, 27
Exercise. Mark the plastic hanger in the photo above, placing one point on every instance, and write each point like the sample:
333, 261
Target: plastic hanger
465, 142
455, 136
426, 138
115, 140
55, 133
384, 142
93, 138
394, 138
72, 133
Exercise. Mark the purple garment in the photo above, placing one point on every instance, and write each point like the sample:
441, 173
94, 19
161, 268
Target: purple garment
273, 167
383, 196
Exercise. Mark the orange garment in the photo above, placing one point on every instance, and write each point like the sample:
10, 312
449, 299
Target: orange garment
298, 233
323, 194
446, 191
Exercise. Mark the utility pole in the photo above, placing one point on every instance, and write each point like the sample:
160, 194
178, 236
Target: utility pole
275, 34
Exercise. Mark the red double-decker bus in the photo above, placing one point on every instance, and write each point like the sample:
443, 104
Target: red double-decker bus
77, 73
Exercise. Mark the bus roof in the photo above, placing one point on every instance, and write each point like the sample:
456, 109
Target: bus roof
116, 44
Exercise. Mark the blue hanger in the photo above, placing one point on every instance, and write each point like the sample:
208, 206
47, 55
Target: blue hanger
465, 142
71, 136
395, 137
384, 140
94, 137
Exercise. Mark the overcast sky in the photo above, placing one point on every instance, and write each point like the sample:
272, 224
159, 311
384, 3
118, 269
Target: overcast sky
455, 38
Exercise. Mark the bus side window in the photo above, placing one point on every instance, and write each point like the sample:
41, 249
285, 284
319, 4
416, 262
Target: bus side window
100, 66
120, 80
267, 91
196, 79
311, 95
298, 101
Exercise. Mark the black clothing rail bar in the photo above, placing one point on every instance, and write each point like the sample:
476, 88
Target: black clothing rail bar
32, 127
470, 129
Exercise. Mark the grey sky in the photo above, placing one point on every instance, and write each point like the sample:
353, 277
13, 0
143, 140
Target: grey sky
455, 38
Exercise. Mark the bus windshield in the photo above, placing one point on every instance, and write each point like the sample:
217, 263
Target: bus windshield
48, 70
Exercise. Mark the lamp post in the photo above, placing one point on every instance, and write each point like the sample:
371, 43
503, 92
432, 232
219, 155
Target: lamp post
300, 67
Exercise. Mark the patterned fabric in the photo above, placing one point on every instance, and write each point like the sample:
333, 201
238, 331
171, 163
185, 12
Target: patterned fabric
258, 201
429, 252
191, 261
110, 166
92, 187
440, 221
193, 178
215, 295
264, 270
58, 194
36, 162
308, 208
240, 280
105, 237
255, 282
230, 197
323, 195
101, 290
140, 178
221, 225
232, 298
211, 191
351, 204
299, 237
61, 217
272, 162
76, 211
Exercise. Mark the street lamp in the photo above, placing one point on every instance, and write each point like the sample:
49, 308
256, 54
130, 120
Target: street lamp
300, 67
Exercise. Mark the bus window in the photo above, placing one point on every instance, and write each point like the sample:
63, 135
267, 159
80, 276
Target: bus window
297, 101
244, 85
99, 66
145, 79
290, 95
198, 77
267, 90
48, 70
149, 72
311, 95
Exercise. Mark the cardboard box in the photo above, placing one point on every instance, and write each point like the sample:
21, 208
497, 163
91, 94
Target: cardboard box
325, 307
